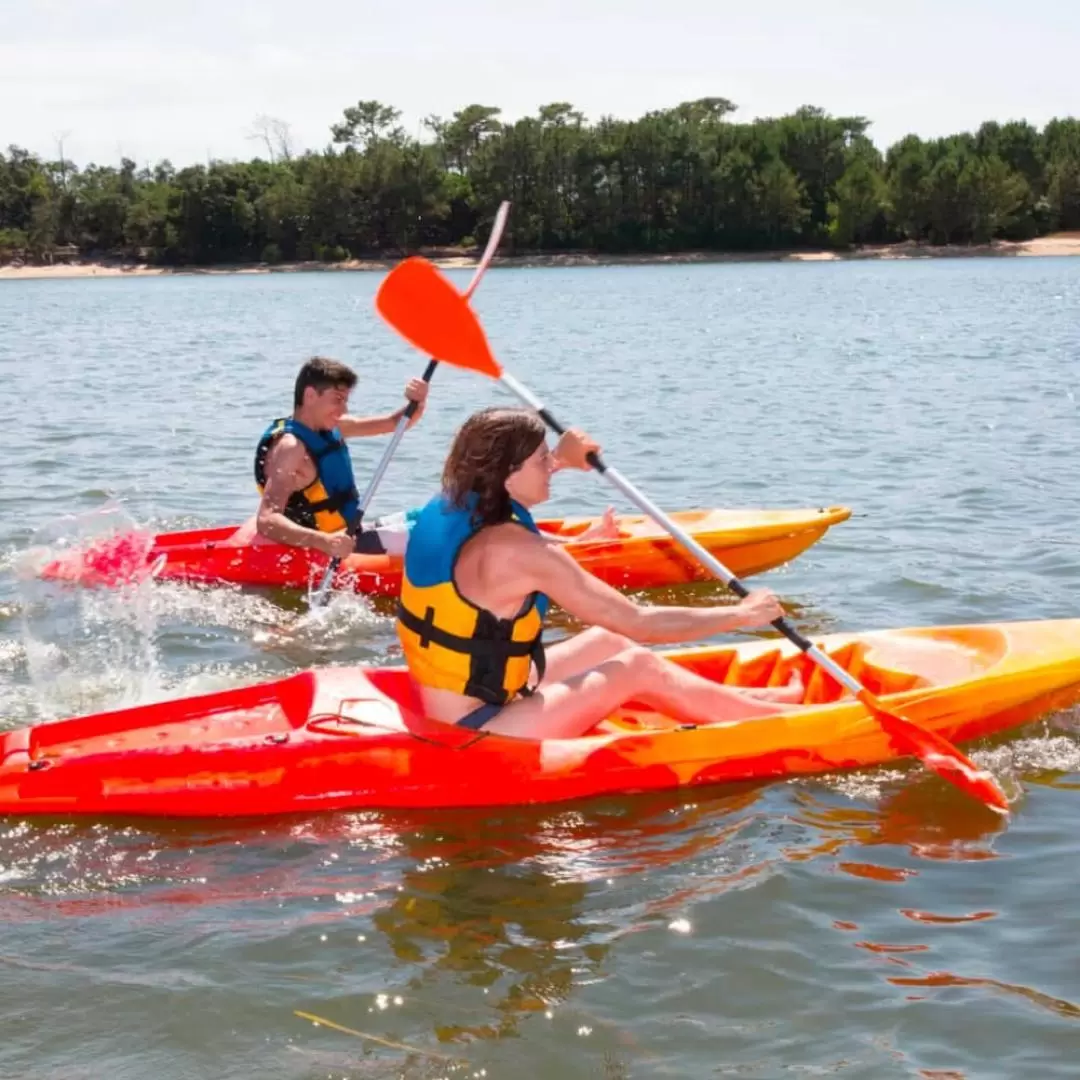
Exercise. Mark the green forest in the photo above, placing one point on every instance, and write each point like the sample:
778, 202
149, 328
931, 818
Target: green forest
682, 179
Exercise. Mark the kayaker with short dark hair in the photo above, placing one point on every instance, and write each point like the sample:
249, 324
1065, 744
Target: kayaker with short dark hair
303, 468
477, 582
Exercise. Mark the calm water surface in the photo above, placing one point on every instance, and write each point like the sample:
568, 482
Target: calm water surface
870, 925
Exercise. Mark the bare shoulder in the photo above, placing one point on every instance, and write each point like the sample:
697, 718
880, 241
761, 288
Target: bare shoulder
289, 461
284, 445
512, 537
525, 552
508, 545
500, 565
287, 451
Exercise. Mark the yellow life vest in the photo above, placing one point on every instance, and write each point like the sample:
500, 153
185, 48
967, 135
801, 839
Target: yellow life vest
449, 642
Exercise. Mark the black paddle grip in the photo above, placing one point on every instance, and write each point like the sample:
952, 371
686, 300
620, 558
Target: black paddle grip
410, 412
410, 409
804, 644
552, 422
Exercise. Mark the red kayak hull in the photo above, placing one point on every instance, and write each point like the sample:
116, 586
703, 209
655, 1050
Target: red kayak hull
747, 541
353, 738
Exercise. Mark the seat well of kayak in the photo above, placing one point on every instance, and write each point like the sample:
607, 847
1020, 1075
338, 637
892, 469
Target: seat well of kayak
887, 664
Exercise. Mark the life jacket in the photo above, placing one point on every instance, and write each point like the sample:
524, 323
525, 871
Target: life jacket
331, 502
449, 642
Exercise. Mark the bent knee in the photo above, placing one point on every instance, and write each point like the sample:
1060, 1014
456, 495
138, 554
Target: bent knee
617, 643
641, 661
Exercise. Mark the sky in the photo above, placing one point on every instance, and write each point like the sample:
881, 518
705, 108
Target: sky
185, 80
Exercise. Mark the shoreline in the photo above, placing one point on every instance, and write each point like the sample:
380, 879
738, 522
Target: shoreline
1058, 244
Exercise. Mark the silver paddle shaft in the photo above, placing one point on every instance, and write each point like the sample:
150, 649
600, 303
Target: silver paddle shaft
403, 422
497, 228
706, 558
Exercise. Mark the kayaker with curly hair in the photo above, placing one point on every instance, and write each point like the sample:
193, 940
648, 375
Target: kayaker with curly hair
305, 474
479, 576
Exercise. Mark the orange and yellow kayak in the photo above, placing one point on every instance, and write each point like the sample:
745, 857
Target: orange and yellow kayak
349, 738
644, 557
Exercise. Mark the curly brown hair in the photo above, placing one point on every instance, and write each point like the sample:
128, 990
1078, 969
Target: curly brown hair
489, 446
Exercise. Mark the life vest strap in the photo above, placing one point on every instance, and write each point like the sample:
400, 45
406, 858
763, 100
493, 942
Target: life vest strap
428, 633
332, 502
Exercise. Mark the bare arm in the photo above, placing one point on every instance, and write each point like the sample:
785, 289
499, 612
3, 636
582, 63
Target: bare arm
286, 468
549, 569
361, 427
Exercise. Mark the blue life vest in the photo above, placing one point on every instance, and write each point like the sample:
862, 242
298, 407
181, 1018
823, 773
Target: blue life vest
331, 502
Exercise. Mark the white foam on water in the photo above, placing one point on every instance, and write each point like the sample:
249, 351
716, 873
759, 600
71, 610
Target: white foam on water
345, 618
1053, 746
86, 649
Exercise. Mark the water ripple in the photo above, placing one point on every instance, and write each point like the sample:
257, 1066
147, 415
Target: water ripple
871, 924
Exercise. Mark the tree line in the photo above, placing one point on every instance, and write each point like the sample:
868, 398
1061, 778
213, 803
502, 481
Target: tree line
686, 178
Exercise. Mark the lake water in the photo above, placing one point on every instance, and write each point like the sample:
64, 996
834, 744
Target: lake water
874, 925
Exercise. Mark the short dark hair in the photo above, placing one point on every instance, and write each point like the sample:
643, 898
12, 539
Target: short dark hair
322, 373
490, 445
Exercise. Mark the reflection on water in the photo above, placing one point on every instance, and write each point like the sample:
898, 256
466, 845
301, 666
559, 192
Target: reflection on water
434, 936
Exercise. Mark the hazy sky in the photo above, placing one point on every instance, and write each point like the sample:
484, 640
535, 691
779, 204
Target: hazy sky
185, 79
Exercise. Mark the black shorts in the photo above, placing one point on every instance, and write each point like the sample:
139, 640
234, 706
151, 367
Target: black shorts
384, 537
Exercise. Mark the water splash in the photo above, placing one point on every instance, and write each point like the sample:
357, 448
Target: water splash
85, 648
347, 627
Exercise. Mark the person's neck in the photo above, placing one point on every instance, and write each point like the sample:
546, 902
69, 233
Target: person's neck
520, 504
302, 417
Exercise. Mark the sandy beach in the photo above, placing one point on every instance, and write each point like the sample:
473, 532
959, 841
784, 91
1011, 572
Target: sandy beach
1058, 244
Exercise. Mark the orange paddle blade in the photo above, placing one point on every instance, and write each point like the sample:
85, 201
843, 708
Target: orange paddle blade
938, 754
427, 311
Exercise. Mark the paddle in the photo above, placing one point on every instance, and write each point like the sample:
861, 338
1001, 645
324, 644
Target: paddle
322, 593
425, 308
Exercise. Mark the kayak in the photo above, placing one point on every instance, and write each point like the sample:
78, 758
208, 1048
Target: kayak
351, 738
644, 557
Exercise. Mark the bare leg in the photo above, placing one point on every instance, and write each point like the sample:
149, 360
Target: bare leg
791, 693
586, 650
575, 704
592, 647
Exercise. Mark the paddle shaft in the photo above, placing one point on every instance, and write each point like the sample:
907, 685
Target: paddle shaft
426, 309
497, 228
705, 557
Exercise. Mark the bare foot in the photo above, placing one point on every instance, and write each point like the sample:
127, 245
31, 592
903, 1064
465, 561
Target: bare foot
791, 694
607, 528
